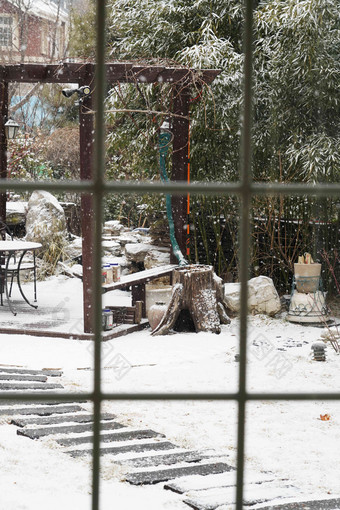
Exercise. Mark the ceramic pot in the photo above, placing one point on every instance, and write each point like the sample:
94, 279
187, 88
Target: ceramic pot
307, 277
155, 314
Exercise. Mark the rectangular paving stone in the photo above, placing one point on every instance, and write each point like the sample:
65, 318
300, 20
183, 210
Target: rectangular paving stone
39, 411
51, 373
165, 460
325, 504
67, 429
31, 386
52, 420
255, 494
21, 377
108, 438
220, 480
133, 448
34, 403
163, 475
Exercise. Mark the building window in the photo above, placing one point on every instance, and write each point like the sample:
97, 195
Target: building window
6, 33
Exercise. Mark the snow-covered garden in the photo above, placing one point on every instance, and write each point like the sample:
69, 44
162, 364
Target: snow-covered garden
289, 440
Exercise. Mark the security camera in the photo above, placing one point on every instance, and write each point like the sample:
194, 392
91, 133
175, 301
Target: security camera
82, 92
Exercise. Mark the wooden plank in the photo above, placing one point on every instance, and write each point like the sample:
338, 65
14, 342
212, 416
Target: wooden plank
140, 277
163, 475
107, 335
128, 435
131, 448
67, 429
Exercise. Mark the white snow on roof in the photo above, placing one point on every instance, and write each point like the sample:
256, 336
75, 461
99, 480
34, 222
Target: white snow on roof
42, 8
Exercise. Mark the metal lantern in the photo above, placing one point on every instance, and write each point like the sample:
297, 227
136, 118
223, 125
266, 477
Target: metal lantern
11, 129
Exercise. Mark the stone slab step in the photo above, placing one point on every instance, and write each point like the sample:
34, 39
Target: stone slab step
161, 460
131, 448
45, 403
40, 411
53, 420
255, 494
163, 475
67, 429
31, 386
196, 483
50, 373
324, 504
21, 377
108, 438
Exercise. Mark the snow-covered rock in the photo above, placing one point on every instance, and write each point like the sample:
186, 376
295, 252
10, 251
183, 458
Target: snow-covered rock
232, 296
111, 247
137, 252
128, 238
262, 296
16, 213
113, 227
45, 218
157, 258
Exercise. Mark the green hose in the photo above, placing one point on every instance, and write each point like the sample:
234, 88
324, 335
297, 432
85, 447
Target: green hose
164, 141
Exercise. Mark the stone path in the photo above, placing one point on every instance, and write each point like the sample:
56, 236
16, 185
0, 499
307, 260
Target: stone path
146, 456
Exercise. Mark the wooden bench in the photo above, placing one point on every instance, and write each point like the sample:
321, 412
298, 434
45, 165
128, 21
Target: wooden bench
137, 282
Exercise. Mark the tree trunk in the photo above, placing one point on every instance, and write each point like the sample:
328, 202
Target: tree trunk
197, 289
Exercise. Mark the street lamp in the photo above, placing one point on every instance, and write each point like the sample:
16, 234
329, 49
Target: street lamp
11, 129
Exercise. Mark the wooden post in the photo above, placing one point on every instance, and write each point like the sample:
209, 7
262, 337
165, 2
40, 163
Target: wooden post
86, 123
3, 145
138, 294
180, 164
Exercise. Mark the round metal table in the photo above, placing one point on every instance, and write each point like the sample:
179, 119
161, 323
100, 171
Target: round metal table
8, 250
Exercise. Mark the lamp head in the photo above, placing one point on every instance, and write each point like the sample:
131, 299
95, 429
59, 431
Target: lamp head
11, 129
165, 126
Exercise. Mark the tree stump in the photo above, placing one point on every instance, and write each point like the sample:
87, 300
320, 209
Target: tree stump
196, 288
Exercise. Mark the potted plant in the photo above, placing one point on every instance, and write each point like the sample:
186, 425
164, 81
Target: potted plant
307, 274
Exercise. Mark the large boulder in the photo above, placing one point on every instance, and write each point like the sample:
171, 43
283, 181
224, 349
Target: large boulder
45, 218
262, 296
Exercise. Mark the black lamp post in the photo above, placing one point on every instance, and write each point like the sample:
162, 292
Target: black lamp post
11, 129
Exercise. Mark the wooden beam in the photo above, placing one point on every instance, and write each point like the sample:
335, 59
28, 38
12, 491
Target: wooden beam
3, 145
125, 72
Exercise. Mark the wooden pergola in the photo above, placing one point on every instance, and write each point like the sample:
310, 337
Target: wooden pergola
181, 79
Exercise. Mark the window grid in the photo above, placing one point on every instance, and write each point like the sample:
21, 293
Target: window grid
245, 189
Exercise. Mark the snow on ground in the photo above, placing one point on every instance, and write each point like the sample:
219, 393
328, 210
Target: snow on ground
289, 439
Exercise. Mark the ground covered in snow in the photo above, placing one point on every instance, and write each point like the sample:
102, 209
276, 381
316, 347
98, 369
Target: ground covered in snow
287, 439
